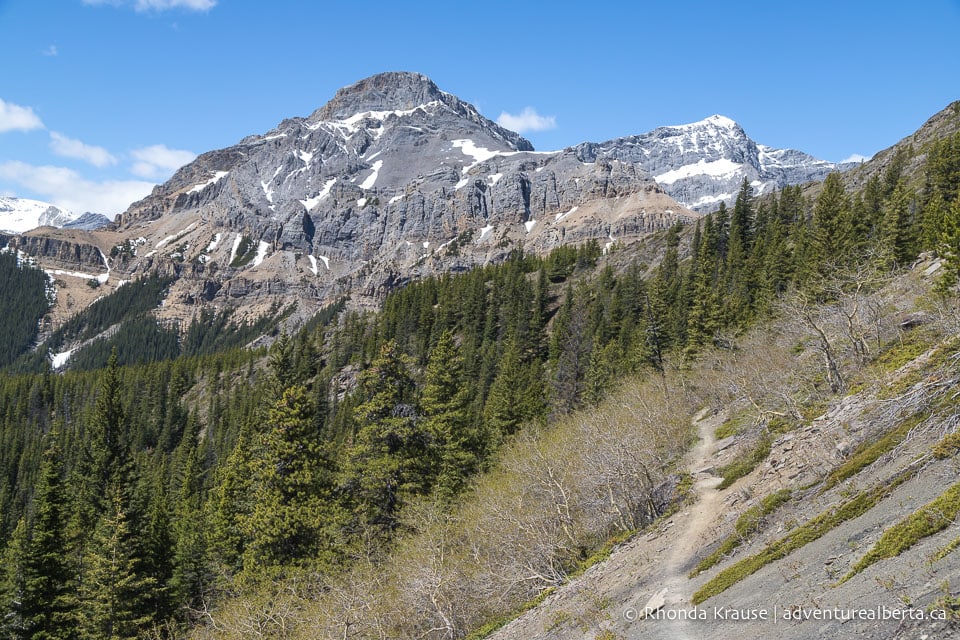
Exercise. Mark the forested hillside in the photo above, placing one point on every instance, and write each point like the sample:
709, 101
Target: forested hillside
23, 303
152, 498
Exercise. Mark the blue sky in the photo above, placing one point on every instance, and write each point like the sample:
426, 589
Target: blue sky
101, 99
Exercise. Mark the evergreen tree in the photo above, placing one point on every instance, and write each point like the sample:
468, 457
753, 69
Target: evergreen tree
290, 483
192, 572
515, 395
49, 591
444, 405
109, 426
949, 248
12, 587
897, 232
230, 504
113, 601
831, 223
387, 461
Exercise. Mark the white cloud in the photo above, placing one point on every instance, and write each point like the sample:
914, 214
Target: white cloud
526, 120
50, 51
70, 148
158, 5
856, 157
157, 162
68, 189
13, 117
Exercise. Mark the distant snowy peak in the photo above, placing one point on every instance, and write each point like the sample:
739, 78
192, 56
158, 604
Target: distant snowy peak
716, 121
704, 163
19, 215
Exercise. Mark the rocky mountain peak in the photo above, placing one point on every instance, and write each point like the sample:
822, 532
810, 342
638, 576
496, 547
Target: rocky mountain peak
390, 91
704, 163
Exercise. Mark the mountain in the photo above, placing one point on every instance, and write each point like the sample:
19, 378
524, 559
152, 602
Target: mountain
89, 222
390, 180
394, 179
704, 163
18, 215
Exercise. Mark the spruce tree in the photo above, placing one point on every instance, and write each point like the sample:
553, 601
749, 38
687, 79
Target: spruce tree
289, 482
387, 461
49, 593
114, 594
12, 581
831, 223
456, 444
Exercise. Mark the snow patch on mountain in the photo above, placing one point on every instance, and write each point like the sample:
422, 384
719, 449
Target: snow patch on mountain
217, 177
372, 178
717, 168
19, 215
262, 249
310, 203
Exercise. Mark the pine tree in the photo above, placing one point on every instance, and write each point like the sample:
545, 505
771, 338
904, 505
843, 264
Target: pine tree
831, 222
113, 601
49, 593
515, 395
949, 248
289, 482
230, 504
12, 586
388, 458
109, 426
896, 231
192, 571
444, 403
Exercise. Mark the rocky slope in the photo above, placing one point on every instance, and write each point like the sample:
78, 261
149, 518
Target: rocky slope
704, 163
866, 465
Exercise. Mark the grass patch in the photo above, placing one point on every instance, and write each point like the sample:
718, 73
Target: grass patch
946, 550
868, 452
746, 525
745, 462
898, 353
731, 427
500, 621
803, 535
925, 521
948, 447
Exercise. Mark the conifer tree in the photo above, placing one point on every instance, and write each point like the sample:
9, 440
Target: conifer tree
49, 590
113, 598
444, 406
229, 504
12, 580
192, 573
289, 483
831, 222
515, 395
387, 461
896, 232
109, 426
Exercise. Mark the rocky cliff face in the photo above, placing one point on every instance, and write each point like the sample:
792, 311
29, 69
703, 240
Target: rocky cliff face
75, 252
390, 180
704, 163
